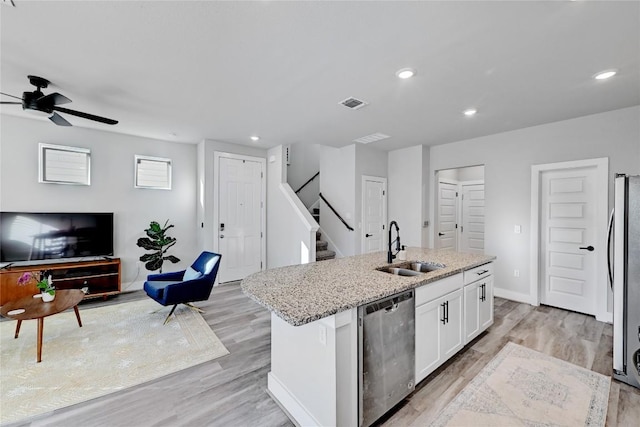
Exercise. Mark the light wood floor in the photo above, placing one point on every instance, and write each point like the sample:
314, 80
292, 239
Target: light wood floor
230, 391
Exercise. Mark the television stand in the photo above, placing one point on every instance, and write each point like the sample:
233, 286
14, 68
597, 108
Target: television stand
101, 277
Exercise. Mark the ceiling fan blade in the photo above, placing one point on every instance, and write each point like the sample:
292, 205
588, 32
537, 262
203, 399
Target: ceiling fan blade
86, 115
59, 120
9, 102
12, 96
53, 99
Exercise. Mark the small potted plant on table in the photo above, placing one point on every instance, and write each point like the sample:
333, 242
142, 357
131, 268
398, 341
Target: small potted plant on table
43, 282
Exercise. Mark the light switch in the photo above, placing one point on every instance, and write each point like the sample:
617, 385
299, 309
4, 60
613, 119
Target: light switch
517, 229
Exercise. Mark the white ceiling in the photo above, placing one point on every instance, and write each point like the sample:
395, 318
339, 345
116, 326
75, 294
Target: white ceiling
227, 70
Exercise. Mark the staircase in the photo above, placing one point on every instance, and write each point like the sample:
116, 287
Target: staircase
322, 253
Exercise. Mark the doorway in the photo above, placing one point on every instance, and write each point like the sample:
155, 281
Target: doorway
374, 214
569, 218
240, 215
459, 209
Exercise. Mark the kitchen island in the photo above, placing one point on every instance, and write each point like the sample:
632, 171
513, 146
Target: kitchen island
314, 331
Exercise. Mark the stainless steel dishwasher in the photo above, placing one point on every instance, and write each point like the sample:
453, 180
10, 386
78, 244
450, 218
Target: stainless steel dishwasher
386, 355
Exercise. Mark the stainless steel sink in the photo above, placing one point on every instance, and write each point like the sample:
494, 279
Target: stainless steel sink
412, 268
425, 267
402, 271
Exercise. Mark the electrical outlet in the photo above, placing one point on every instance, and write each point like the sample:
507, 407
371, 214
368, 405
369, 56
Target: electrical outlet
322, 334
516, 273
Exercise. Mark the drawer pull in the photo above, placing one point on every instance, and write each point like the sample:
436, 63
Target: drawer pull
480, 273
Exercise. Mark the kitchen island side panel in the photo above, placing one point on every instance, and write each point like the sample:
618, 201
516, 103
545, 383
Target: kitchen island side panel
314, 369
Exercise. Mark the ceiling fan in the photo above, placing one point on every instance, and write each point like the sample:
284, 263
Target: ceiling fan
49, 104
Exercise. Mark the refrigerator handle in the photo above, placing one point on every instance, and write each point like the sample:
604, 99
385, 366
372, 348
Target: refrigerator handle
609, 249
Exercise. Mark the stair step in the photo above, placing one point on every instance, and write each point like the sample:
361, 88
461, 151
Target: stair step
324, 255
316, 211
318, 234
316, 217
321, 245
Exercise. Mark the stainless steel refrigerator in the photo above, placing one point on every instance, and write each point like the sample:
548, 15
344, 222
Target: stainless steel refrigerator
624, 273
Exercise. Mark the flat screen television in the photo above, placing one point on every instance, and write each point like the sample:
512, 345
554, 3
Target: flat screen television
31, 236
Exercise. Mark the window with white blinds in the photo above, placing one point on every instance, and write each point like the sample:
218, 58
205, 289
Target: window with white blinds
152, 172
64, 165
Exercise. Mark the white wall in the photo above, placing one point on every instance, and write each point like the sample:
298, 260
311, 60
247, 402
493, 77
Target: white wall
337, 185
111, 189
405, 197
290, 227
305, 163
508, 158
341, 171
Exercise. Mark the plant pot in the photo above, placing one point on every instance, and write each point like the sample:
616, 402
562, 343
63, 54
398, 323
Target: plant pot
47, 297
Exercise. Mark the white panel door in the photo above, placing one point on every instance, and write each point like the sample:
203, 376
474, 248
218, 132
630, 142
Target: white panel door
373, 214
567, 237
447, 215
240, 218
472, 226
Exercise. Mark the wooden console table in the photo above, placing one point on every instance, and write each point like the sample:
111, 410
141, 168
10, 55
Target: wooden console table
101, 277
32, 307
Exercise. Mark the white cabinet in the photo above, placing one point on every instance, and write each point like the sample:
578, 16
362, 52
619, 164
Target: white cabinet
438, 324
478, 301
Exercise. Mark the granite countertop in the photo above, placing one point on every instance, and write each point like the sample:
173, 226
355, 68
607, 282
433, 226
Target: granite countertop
300, 294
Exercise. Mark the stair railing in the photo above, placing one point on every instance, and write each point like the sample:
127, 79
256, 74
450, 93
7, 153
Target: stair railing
305, 184
337, 214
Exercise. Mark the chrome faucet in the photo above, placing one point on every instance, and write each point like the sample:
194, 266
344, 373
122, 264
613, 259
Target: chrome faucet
390, 254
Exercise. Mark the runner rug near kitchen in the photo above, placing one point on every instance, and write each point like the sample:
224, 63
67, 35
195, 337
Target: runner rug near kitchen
118, 346
523, 387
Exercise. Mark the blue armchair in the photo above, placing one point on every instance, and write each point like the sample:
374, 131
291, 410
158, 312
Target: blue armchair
186, 286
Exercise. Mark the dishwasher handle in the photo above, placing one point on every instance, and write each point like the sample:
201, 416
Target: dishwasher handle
389, 304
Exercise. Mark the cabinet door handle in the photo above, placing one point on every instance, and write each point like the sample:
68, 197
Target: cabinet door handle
443, 320
484, 295
446, 308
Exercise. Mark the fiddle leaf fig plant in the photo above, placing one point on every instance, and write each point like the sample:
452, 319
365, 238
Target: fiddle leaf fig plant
158, 242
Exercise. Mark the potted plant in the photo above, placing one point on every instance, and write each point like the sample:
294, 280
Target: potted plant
158, 242
43, 282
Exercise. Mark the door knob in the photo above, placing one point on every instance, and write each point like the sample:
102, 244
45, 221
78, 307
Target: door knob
222, 236
589, 248
368, 235
440, 234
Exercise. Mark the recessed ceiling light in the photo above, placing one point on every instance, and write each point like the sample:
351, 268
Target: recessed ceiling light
406, 73
470, 112
255, 138
603, 75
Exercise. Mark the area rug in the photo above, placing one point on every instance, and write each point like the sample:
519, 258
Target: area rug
522, 387
117, 347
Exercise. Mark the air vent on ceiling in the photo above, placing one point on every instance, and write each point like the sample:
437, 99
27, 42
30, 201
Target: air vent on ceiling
372, 138
353, 103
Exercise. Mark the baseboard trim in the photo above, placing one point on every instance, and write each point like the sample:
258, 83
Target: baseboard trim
606, 318
513, 296
288, 402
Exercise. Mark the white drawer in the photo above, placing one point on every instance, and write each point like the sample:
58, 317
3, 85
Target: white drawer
433, 290
478, 273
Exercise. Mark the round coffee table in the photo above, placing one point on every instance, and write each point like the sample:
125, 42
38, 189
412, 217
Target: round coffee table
35, 308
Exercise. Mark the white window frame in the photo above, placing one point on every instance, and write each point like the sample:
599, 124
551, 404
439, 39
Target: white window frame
43, 162
138, 158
